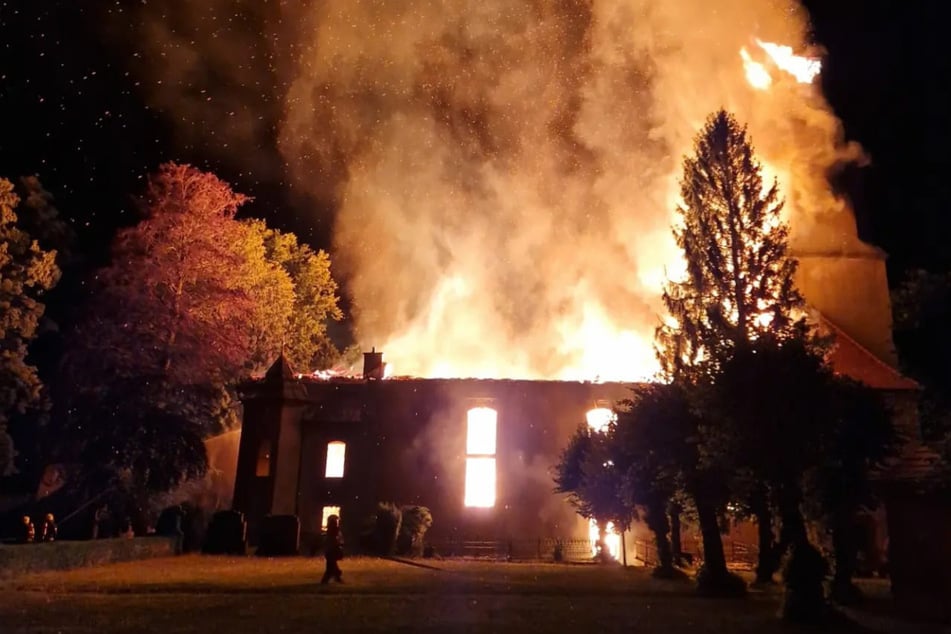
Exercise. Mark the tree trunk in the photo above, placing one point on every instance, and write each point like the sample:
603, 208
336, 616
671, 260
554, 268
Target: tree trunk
845, 549
767, 561
713, 559
804, 599
657, 523
675, 541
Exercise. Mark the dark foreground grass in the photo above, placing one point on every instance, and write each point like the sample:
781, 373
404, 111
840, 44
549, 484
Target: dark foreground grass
221, 595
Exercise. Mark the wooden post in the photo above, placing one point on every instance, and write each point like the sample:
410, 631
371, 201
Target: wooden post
623, 549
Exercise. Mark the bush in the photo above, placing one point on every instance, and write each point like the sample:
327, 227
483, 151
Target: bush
227, 534
719, 584
383, 527
280, 536
416, 521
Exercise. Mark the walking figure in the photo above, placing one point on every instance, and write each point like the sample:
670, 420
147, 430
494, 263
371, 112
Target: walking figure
333, 551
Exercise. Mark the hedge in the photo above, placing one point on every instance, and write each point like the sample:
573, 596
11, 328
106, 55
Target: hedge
18, 559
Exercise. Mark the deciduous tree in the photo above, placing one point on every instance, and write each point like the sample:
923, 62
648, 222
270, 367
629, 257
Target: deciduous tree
586, 472
306, 343
26, 273
190, 305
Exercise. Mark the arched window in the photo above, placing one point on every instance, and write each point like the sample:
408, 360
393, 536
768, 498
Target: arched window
336, 453
480, 457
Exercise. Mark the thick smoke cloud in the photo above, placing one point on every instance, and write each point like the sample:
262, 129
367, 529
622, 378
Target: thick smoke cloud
505, 172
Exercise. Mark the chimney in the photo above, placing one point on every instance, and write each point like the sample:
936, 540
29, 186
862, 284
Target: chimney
373, 366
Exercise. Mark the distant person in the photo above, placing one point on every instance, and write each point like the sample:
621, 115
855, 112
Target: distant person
333, 551
27, 531
49, 529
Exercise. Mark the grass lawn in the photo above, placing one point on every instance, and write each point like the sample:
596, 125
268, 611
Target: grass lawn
222, 595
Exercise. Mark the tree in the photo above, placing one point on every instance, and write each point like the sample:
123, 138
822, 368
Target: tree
176, 298
655, 442
739, 283
307, 345
586, 472
922, 308
190, 305
738, 289
26, 273
858, 439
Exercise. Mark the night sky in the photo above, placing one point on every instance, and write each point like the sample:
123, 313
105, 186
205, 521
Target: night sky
73, 112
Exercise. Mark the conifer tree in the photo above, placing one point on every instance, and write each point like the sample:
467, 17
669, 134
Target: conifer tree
738, 290
739, 281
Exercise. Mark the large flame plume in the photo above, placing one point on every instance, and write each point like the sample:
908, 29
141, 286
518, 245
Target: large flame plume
505, 172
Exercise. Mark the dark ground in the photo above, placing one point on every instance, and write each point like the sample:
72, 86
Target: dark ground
239, 595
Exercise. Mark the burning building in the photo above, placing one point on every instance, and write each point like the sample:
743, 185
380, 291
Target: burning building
523, 287
478, 452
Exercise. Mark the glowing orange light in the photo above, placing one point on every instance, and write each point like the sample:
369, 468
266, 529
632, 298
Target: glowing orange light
480, 482
326, 512
756, 73
804, 69
480, 431
600, 418
336, 453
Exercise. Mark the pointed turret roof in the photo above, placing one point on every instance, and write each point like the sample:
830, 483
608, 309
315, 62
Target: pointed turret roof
280, 371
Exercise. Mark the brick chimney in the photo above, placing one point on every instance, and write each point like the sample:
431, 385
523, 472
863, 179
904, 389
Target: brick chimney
373, 366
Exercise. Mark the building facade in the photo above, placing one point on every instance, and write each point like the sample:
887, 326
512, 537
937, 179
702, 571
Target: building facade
477, 453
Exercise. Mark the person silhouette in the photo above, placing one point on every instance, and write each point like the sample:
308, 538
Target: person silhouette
333, 551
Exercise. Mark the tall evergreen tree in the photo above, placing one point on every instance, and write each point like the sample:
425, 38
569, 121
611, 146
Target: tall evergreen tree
738, 289
739, 278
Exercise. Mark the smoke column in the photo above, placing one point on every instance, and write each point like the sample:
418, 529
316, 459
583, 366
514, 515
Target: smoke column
504, 172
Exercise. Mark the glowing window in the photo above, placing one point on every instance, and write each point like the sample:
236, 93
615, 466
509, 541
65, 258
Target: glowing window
480, 431
325, 513
480, 457
336, 452
263, 468
480, 482
600, 418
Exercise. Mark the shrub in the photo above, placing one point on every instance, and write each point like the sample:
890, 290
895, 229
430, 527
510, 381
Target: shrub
383, 527
416, 521
803, 575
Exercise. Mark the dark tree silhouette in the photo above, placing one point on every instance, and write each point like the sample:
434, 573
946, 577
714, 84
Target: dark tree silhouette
738, 287
656, 438
739, 281
858, 439
587, 473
